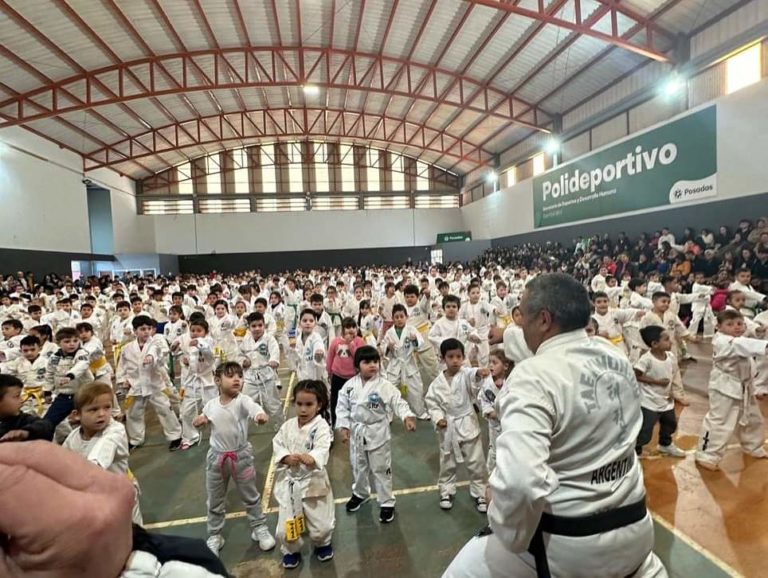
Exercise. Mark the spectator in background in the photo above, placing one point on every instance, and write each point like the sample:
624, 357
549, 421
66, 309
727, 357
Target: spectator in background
761, 228
723, 237
706, 238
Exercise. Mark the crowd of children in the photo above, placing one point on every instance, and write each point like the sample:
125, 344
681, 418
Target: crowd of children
365, 347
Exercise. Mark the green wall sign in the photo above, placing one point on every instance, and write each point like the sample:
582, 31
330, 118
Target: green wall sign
675, 163
454, 237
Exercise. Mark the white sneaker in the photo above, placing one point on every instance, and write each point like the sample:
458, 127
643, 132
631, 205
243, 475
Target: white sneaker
707, 465
672, 451
263, 537
481, 505
446, 502
215, 543
759, 453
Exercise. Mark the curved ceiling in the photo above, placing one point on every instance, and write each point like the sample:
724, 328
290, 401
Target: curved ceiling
143, 85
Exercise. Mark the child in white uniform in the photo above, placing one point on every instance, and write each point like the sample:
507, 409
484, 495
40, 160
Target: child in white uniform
732, 406
478, 314
450, 326
449, 402
260, 357
140, 372
309, 350
367, 404
488, 399
100, 439
197, 365
400, 343
231, 456
301, 450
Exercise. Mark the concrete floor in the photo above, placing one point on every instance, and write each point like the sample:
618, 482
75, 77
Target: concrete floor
704, 528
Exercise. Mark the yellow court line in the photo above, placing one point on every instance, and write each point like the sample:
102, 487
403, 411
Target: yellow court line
691, 543
236, 515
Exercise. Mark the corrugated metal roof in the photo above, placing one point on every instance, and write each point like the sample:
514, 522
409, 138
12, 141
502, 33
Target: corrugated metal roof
467, 62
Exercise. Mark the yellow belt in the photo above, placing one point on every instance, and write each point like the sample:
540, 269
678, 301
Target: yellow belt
506, 319
98, 364
423, 328
616, 340
34, 392
239, 332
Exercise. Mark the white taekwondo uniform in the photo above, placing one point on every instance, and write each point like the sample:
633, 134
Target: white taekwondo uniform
366, 410
565, 458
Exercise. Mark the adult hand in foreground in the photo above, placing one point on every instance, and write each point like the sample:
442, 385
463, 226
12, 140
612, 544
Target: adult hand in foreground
61, 516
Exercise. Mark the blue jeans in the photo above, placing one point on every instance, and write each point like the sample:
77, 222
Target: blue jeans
60, 409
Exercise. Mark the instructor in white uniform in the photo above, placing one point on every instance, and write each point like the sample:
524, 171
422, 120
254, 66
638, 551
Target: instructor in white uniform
567, 493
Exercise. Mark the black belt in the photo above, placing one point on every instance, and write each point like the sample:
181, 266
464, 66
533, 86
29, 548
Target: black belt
580, 526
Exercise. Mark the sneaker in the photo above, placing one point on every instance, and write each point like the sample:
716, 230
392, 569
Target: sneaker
215, 543
175, 445
446, 502
354, 503
711, 466
481, 505
291, 560
324, 553
759, 454
672, 451
424, 417
263, 537
386, 515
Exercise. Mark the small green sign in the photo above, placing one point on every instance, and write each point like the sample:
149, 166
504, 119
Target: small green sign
454, 237
675, 163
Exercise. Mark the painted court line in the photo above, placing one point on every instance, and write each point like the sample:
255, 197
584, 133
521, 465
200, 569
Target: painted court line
691, 543
236, 515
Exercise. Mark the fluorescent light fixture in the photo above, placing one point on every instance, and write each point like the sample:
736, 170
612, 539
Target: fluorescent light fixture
311, 90
492, 177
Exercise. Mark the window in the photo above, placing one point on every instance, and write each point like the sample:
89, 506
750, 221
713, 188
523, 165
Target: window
511, 177
398, 172
436, 256
240, 173
393, 202
346, 203
436, 201
295, 168
422, 176
743, 69
225, 206
268, 173
322, 179
184, 177
213, 174
372, 172
168, 207
347, 159
276, 204
539, 165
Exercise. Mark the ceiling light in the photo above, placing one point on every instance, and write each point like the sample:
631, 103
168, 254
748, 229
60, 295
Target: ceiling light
492, 177
311, 90
673, 85
552, 146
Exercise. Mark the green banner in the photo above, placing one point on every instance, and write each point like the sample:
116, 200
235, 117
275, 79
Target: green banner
454, 237
675, 163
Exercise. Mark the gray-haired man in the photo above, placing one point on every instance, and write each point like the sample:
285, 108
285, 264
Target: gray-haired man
567, 487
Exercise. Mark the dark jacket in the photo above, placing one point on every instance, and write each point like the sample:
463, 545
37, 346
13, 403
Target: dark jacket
38, 428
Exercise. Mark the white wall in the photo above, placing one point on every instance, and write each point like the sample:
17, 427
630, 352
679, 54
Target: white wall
742, 139
299, 231
44, 202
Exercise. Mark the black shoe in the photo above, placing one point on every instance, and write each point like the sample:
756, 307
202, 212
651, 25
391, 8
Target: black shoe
175, 445
386, 515
354, 503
